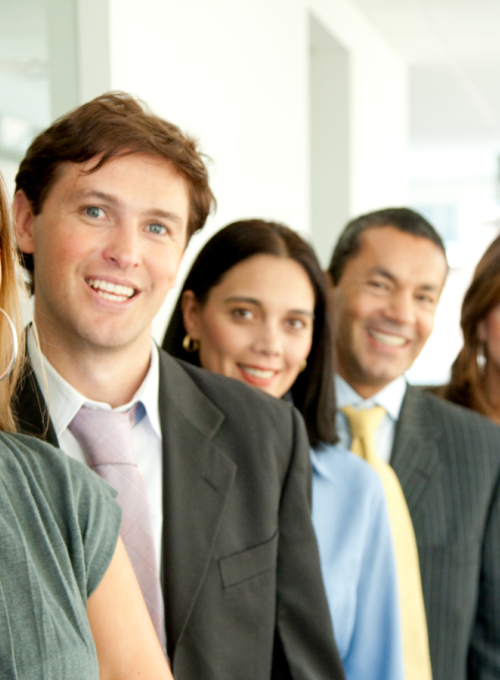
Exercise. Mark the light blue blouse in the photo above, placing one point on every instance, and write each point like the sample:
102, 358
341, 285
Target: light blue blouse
352, 526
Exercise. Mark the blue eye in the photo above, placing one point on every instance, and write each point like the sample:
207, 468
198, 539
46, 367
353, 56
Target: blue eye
156, 228
93, 211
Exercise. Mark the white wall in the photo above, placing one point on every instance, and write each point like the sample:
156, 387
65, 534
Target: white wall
236, 75
463, 177
329, 137
378, 108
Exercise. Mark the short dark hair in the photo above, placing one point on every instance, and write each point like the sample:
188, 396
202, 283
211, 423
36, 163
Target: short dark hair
110, 126
403, 219
313, 391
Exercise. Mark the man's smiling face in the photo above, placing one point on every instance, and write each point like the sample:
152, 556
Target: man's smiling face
107, 246
384, 306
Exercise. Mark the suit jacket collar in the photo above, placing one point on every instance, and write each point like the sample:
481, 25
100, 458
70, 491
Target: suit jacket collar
179, 390
197, 479
415, 453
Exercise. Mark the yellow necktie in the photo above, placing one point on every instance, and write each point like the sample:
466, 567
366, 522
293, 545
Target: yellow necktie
363, 425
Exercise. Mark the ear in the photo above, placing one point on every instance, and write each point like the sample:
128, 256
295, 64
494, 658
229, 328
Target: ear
25, 222
191, 314
482, 331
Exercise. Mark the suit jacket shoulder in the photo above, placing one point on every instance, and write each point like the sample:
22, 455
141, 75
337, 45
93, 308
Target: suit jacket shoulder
419, 404
223, 407
460, 432
226, 393
447, 459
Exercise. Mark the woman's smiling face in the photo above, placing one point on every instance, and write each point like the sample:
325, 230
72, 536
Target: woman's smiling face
257, 323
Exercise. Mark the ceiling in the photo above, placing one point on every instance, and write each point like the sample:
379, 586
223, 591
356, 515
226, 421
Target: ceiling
453, 50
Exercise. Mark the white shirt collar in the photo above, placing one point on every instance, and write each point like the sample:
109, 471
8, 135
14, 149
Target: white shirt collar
64, 401
390, 397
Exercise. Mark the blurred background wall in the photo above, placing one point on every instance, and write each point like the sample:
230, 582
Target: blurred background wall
311, 111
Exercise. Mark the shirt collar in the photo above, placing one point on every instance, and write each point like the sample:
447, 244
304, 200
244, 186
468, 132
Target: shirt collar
390, 398
64, 401
325, 459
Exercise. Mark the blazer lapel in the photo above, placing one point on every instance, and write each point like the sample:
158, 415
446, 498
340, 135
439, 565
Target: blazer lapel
197, 478
415, 453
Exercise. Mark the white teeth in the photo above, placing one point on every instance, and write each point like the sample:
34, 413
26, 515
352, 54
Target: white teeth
118, 293
258, 372
386, 339
110, 296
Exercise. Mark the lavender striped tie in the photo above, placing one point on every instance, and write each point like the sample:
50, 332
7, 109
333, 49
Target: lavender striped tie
106, 439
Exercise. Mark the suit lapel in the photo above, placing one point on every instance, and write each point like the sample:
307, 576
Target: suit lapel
31, 410
197, 478
415, 453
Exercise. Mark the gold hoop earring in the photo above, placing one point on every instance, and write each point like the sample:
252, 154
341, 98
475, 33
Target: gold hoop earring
190, 345
15, 347
303, 366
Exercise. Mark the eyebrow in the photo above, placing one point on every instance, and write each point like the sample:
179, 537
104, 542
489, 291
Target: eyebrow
93, 193
257, 303
112, 200
389, 275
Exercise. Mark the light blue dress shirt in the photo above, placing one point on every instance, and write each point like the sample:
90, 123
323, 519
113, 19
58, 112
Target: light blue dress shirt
352, 526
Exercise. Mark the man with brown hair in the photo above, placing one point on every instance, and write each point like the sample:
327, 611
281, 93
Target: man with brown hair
212, 476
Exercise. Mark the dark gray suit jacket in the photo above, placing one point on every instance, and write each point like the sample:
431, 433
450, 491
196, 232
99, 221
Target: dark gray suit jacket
244, 599
448, 462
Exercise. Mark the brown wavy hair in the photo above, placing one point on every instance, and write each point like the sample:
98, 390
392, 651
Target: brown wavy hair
111, 126
467, 384
10, 283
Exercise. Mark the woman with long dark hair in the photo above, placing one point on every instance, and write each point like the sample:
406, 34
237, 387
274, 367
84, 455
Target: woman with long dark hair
475, 374
254, 308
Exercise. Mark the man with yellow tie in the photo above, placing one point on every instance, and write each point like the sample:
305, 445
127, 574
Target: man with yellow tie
439, 464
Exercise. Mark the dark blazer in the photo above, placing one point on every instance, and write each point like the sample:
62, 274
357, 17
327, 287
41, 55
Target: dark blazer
244, 599
447, 459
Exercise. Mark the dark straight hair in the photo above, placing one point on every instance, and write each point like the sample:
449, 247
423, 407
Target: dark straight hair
313, 391
404, 219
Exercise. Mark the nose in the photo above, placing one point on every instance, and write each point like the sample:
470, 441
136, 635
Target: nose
122, 247
268, 340
401, 309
